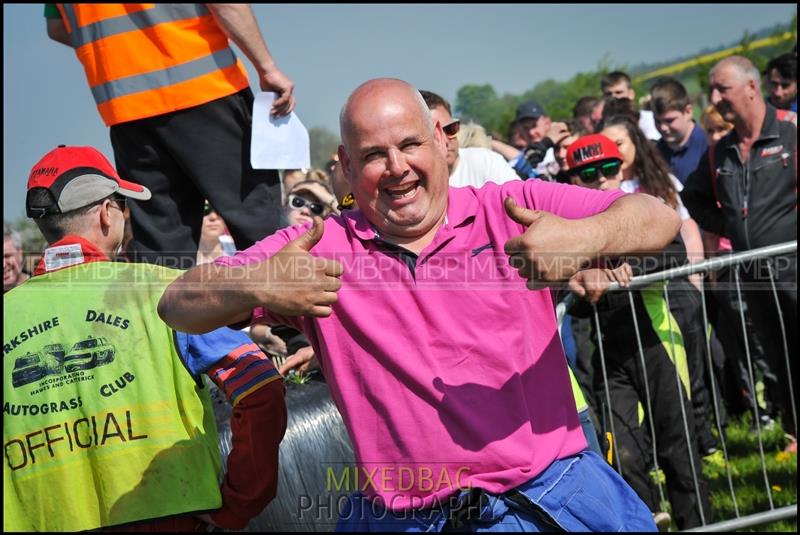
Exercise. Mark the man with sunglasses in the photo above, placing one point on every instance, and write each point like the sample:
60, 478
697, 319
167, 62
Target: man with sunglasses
454, 432
116, 396
472, 166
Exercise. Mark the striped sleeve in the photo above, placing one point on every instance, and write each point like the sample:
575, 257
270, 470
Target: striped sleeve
242, 372
236, 365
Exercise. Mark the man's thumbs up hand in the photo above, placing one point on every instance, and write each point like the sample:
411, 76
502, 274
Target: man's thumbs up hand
523, 216
550, 250
298, 283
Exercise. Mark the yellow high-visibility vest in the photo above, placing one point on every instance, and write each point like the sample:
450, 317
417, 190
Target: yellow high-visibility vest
102, 423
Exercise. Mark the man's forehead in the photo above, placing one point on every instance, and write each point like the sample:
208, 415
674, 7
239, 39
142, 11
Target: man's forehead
774, 74
366, 142
726, 73
669, 114
440, 110
386, 127
619, 86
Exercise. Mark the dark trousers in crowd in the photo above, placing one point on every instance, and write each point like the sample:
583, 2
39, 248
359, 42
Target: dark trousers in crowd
185, 157
725, 314
632, 443
686, 307
767, 321
717, 371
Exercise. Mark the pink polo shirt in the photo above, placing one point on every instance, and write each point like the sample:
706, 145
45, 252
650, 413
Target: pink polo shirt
450, 376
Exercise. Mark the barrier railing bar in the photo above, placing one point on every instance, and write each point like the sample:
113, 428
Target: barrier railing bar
708, 265
782, 513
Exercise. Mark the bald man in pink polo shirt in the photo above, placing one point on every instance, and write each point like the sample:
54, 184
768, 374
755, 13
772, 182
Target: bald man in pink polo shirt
431, 316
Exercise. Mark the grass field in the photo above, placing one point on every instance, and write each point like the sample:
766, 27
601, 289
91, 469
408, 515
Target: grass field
748, 477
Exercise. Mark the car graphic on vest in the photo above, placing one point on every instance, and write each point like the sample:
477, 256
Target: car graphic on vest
88, 354
27, 369
53, 358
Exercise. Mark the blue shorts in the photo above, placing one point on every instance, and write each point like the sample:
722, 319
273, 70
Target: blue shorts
578, 493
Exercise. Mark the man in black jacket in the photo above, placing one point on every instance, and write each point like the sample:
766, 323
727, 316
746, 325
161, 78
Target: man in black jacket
745, 188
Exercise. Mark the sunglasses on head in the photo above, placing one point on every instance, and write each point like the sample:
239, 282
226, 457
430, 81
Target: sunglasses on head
593, 173
299, 202
452, 128
207, 209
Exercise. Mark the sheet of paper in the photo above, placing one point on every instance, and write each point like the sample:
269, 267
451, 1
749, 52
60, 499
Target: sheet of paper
280, 143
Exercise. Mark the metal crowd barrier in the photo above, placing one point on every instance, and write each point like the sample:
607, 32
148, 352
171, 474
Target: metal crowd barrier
734, 261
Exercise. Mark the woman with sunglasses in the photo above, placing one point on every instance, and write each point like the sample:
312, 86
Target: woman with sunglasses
307, 199
595, 161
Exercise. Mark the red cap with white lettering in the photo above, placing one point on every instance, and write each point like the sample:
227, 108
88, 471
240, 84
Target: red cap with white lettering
76, 177
591, 149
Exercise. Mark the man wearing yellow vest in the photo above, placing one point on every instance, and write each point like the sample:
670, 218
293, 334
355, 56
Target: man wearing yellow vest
106, 418
179, 107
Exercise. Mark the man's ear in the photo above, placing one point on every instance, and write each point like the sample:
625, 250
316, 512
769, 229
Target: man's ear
754, 85
344, 161
104, 213
439, 138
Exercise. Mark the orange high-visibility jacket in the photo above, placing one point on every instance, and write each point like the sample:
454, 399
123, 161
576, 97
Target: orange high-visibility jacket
143, 60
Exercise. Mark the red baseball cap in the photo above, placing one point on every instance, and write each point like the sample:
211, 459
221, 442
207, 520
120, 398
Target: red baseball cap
77, 177
591, 149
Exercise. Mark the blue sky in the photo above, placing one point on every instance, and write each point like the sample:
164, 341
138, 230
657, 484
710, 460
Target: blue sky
330, 49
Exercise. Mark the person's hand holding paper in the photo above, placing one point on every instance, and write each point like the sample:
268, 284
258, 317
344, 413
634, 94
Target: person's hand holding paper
277, 143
